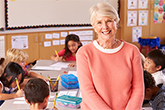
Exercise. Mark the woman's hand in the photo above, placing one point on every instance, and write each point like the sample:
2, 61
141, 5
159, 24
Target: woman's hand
72, 64
20, 93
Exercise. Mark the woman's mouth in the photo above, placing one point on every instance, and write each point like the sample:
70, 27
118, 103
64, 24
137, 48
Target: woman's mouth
106, 32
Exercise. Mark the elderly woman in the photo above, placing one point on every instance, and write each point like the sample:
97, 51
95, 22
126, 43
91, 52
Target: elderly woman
109, 70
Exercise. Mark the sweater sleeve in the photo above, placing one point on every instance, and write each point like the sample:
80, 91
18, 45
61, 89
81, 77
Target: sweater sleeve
89, 94
137, 96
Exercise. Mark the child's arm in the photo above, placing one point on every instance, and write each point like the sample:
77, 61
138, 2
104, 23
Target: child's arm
35, 75
55, 58
4, 96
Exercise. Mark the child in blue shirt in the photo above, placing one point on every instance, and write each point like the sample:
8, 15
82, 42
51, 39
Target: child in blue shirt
154, 93
8, 82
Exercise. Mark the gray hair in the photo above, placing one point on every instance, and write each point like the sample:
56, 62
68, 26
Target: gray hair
103, 9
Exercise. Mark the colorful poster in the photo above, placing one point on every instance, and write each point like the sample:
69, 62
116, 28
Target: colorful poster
132, 18
132, 4
136, 33
143, 17
159, 11
19, 42
143, 3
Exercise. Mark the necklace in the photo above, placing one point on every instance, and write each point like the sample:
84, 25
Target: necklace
109, 47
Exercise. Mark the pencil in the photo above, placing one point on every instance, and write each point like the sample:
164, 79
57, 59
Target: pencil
17, 83
56, 53
50, 83
41, 75
56, 80
55, 100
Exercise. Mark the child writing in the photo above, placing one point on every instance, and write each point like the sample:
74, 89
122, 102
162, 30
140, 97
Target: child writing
155, 94
20, 56
72, 44
154, 64
37, 94
8, 81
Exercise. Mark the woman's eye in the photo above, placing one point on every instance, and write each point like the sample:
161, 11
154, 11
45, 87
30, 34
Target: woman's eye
110, 20
98, 22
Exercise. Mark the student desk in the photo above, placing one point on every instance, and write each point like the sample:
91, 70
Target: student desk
8, 104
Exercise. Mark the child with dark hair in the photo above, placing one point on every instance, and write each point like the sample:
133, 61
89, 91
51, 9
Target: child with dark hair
154, 64
72, 44
37, 94
8, 81
155, 94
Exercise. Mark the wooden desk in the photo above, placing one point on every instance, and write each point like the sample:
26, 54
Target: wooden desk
8, 104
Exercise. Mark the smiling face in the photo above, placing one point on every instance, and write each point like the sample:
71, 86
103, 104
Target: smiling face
105, 27
73, 46
150, 66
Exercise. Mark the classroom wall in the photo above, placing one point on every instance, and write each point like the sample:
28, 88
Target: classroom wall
124, 32
156, 29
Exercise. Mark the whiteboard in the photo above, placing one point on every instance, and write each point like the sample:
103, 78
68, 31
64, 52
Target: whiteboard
40, 13
2, 16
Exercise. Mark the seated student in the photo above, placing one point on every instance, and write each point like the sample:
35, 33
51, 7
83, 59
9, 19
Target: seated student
72, 44
37, 94
155, 94
8, 82
20, 56
154, 64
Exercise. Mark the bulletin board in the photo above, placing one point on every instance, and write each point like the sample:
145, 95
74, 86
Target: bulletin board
2, 17
22, 14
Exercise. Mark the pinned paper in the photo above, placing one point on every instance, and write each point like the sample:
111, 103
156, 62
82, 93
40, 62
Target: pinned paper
136, 33
64, 34
131, 18
47, 43
132, 4
19, 42
56, 42
143, 17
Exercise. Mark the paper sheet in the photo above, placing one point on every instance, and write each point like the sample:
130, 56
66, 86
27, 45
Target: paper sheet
143, 17
56, 42
47, 68
20, 98
60, 64
131, 18
19, 42
19, 102
132, 4
136, 33
56, 35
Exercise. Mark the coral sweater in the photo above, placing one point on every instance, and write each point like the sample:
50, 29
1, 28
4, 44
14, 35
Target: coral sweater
110, 79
